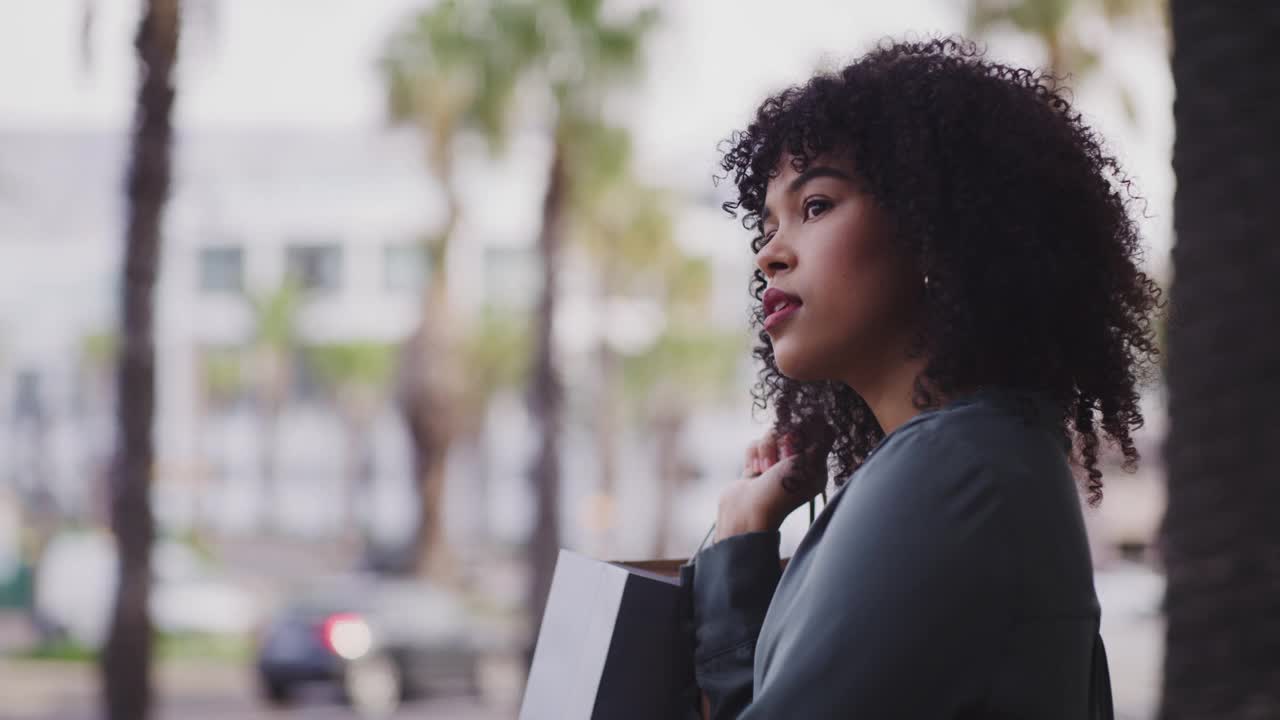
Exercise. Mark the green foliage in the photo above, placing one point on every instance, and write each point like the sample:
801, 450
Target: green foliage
169, 647
59, 651
601, 157
627, 228
457, 65
1037, 17
353, 364
276, 316
694, 363
1055, 23
1125, 9
496, 350
224, 374
1049, 21
625, 225
198, 543
99, 349
234, 650
495, 353
588, 55
688, 284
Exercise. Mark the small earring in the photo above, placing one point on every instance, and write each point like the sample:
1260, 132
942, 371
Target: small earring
926, 280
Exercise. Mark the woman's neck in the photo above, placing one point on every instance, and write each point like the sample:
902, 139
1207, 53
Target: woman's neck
891, 393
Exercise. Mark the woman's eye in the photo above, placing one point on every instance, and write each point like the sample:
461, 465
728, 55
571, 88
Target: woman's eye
814, 208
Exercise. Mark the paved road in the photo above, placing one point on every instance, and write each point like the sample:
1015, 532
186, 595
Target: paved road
442, 709
198, 691
231, 710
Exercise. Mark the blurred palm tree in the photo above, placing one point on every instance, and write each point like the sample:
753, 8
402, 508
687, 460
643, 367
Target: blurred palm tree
221, 382
625, 227
449, 69
99, 352
495, 351
357, 376
691, 366
586, 56
1220, 536
456, 67
222, 377
1056, 25
275, 340
126, 659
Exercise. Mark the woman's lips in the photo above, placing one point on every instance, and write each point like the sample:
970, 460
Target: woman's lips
780, 315
779, 306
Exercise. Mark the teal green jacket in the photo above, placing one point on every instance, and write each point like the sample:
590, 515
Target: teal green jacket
949, 577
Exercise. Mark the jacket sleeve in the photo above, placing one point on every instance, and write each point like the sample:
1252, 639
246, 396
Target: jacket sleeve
733, 583
908, 599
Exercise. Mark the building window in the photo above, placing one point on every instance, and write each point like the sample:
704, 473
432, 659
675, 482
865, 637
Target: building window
404, 267
221, 270
315, 267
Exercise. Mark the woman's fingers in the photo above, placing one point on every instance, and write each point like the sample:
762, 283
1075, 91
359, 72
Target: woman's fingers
751, 461
771, 448
787, 446
808, 473
778, 477
766, 452
768, 449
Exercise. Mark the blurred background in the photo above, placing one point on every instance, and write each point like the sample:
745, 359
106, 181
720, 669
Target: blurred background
441, 288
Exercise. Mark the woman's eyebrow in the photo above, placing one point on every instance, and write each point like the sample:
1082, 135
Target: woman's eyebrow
813, 173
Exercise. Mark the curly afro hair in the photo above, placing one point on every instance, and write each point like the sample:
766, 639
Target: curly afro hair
1013, 209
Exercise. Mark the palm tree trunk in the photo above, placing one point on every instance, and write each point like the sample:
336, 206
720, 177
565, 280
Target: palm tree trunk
546, 398
359, 473
425, 417
200, 472
1053, 52
428, 374
607, 435
1220, 537
126, 659
483, 484
668, 426
269, 406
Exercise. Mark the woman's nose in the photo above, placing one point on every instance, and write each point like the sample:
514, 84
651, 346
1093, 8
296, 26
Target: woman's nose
774, 258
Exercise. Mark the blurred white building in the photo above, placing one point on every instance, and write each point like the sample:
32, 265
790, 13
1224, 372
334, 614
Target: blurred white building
343, 213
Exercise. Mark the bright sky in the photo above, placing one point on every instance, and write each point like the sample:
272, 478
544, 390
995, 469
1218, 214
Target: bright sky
309, 64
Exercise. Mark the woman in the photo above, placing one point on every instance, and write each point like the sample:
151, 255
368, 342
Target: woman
953, 323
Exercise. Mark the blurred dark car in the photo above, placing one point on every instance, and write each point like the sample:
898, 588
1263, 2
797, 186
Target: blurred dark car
377, 640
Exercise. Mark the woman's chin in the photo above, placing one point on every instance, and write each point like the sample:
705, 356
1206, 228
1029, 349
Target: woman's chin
793, 363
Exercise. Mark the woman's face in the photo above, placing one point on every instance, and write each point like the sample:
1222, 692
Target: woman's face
829, 247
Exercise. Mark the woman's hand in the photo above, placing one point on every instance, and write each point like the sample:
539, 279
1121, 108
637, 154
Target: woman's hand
758, 501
